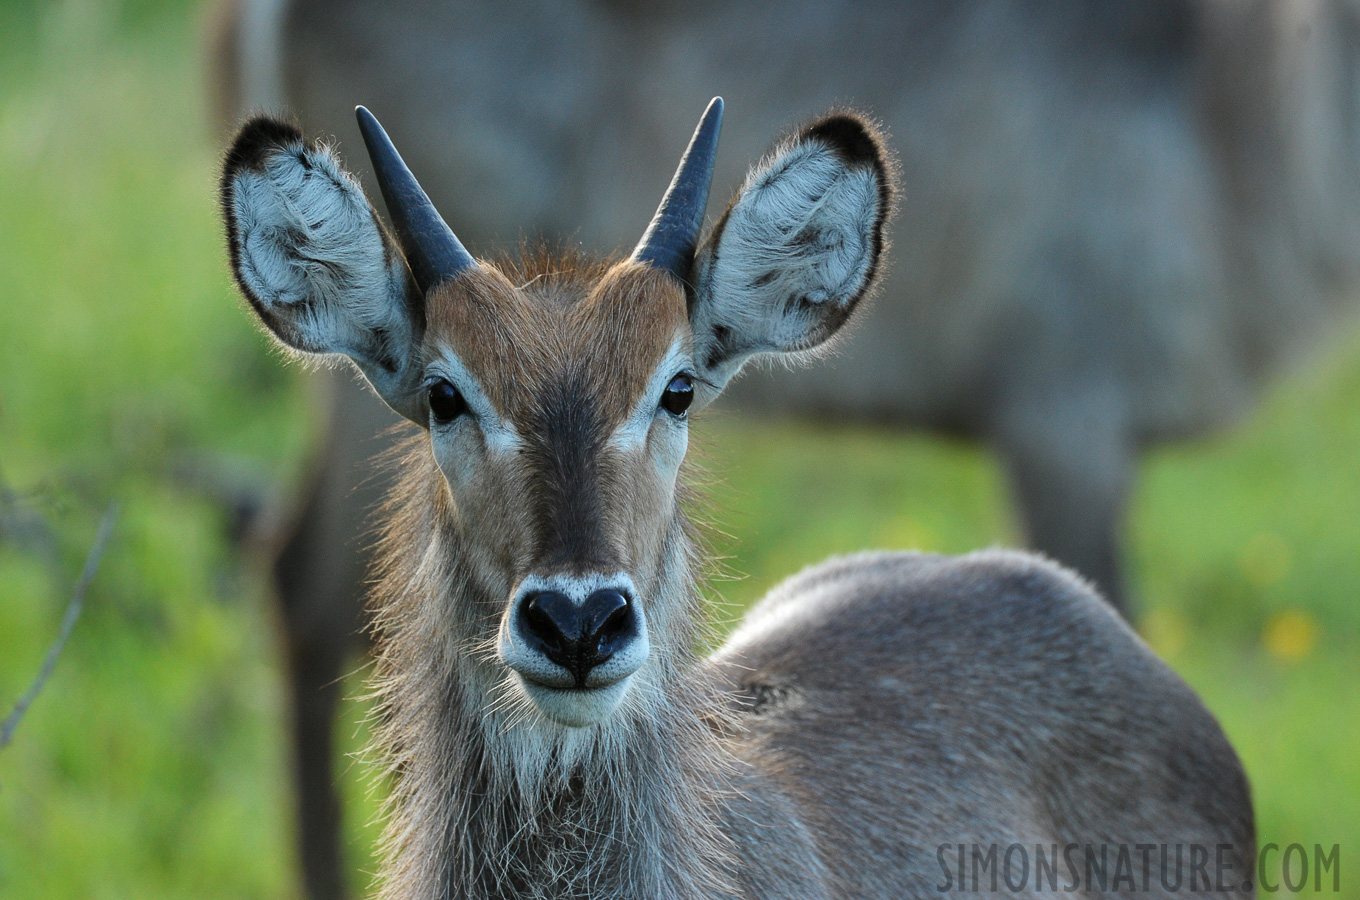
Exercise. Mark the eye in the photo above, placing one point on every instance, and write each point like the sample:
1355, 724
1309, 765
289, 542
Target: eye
679, 395
446, 404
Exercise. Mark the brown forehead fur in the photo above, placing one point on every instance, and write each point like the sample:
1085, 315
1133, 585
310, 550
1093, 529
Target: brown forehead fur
521, 326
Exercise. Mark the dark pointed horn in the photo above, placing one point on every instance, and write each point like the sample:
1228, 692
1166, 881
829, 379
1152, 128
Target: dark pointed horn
432, 250
670, 239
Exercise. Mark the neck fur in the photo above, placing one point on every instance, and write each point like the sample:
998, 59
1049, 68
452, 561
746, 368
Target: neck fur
490, 799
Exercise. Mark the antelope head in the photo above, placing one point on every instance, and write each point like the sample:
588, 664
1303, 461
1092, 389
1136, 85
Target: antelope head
556, 403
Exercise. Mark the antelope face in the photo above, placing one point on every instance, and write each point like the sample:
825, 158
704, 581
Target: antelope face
558, 415
556, 396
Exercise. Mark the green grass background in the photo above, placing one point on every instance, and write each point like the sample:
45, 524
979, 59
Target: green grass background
154, 763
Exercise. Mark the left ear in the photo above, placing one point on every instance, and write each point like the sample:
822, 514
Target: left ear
316, 265
797, 249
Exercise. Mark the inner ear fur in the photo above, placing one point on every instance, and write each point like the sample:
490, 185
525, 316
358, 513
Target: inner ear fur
798, 248
314, 261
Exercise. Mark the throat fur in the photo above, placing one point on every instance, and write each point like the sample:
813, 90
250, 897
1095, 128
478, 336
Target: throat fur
604, 824
508, 806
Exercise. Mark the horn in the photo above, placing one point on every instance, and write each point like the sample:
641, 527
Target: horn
673, 234
432, 250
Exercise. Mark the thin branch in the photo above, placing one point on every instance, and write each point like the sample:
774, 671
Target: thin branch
22, 524
68, 624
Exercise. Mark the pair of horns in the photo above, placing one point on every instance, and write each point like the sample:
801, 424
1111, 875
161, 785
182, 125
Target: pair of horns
435, 254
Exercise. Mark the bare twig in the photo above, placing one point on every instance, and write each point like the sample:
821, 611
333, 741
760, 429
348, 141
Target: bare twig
68, 624
21, 523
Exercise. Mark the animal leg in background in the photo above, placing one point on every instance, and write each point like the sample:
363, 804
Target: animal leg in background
1070, 463
320, 574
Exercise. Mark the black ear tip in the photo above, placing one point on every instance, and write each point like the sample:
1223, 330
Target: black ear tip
852, 136
258, 137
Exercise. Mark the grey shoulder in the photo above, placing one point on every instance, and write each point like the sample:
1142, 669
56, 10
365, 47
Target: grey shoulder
997, 672
884, 592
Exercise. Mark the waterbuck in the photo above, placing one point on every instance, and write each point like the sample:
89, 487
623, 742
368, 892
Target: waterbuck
550, 725
1123, 220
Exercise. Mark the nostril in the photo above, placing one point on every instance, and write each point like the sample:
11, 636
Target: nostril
617, 631
599, 608
619, 621
608, 621
552, 620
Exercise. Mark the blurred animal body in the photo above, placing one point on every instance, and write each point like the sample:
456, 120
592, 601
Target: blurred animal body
551, 730
1118, 219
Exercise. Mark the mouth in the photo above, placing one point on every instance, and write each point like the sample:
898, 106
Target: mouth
576, 707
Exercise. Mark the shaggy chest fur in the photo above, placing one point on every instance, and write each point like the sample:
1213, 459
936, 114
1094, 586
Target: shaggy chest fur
564, 816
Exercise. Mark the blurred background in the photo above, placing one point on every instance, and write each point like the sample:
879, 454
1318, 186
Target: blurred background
157, 760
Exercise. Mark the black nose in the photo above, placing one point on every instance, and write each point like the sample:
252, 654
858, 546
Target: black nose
578, 638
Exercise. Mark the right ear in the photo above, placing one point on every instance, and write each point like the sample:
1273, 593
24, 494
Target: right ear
796, 252
317, 266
